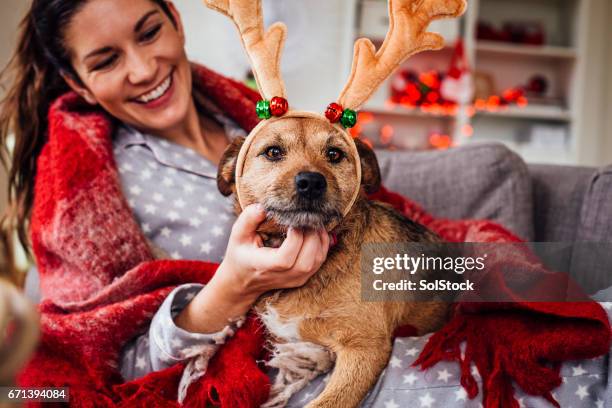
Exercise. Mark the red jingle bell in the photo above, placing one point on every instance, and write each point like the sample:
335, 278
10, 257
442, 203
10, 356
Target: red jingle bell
278, 106
333, 113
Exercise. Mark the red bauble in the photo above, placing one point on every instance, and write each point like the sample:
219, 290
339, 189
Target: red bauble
333, 113
278, 106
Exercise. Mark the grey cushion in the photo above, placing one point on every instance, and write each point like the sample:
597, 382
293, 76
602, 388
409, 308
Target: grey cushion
558, 195
484, 181
596, 212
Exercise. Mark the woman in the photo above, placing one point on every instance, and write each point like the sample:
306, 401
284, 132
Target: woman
166, 125
134, 67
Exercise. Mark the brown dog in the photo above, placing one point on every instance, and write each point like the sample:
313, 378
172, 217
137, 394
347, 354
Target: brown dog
300, 171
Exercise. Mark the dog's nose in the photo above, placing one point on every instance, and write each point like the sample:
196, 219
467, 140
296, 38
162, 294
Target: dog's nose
310, 185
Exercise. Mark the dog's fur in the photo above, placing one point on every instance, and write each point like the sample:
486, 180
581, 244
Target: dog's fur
325, 320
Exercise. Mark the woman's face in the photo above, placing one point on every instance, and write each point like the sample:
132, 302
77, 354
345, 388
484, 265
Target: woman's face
131, 61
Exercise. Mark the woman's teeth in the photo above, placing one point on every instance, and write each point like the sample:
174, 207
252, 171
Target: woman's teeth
157, 92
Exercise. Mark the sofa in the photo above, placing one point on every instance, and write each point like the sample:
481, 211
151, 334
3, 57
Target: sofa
539, 203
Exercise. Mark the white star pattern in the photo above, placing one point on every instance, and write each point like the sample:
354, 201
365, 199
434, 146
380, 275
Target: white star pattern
146, 174
132, 202
176, 343
599, 403
158, 198
210, 196
179, 203
150, 209
126, 167
194, 222
444, 375
205, 247
460, 394
391, 404
412, 352
217, 231
202, 210
582, 392
146, 228
166, 232
173, 215
175, 255
395, 362
188, 188
141, 363
426, 400
410, 379
578, 370
185, 240
136, 190
168, 182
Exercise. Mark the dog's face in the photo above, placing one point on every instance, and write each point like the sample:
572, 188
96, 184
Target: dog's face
301, 170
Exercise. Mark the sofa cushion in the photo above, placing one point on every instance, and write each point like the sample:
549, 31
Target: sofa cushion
558, 196
482, 181
596, 212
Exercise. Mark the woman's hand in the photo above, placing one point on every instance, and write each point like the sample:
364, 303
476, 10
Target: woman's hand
249, 269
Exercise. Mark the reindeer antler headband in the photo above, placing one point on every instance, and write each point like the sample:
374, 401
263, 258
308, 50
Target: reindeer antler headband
407, 36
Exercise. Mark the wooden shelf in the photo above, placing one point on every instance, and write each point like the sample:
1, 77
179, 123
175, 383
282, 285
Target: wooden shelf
546, 51
398, 110
547, 113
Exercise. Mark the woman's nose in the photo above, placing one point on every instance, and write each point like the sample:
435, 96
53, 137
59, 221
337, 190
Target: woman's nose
142, 68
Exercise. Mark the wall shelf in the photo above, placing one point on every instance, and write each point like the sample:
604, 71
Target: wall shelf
531, 130
545, 51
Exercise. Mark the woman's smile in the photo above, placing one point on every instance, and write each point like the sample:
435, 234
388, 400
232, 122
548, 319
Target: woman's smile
160, 96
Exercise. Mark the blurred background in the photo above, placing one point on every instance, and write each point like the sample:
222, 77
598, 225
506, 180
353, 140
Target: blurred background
531, 74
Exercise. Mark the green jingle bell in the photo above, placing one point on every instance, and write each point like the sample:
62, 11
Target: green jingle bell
349, 118
263, 109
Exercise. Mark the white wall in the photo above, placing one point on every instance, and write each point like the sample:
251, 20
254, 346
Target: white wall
606, 151
11, 12
317, 52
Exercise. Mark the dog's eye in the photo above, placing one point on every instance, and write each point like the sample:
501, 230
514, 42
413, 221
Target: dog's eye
273, 153
334, 155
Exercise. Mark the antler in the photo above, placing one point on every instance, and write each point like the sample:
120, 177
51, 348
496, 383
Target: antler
263, 48
407, 35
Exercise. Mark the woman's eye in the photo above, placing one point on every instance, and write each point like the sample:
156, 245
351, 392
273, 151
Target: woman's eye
107, 62
151, 33
334, 155
273, 153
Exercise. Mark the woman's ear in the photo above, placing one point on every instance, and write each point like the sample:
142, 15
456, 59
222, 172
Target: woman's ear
226, 175
176, 17
370, 172
78, 87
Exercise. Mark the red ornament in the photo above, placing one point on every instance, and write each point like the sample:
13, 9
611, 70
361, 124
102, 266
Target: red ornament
333, 113
278, 106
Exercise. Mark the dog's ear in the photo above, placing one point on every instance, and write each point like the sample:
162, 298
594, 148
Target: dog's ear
226, 175
370, 172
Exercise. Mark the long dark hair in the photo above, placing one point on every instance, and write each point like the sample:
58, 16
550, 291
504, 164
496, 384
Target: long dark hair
32, 80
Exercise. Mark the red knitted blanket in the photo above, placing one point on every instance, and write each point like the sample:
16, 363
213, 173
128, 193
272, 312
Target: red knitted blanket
101, 286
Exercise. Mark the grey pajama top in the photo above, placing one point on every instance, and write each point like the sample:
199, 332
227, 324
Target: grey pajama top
173, 194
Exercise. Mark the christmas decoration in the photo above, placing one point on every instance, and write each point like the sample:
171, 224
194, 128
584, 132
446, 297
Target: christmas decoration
333, 113
263, 109
278, 106
349, 118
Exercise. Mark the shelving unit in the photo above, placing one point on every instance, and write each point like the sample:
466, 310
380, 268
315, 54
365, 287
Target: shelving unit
547, 130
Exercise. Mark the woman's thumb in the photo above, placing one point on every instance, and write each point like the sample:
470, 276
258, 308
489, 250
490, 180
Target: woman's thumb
246, 224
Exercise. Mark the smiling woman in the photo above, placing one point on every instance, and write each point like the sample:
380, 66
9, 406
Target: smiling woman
88, 75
